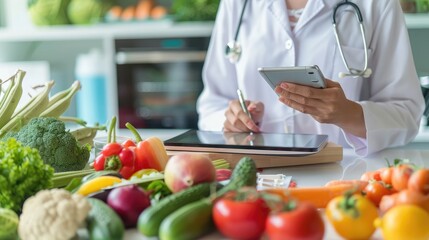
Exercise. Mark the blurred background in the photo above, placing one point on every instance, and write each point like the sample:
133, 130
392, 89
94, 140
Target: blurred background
138, 59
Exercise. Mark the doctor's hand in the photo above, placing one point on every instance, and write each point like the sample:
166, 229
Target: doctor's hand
238, 121
328, 105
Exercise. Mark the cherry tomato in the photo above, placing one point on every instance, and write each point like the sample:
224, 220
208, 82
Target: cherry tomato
352, 216
240, 219
375, 190
419, 181
111, 149
126, 172
371, 175
406, 196
127, 157
99, 162
301, 222
128, 143
400, 176
386, 175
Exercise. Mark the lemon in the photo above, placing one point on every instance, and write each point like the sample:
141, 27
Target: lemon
9, 224
404, 222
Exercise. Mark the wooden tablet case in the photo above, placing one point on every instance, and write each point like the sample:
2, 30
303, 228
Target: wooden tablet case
331, 153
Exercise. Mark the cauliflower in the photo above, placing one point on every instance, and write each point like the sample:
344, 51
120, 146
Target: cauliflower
52, 214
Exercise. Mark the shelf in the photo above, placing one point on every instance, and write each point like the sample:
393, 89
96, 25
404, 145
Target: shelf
150, 29
417, 20
163, 28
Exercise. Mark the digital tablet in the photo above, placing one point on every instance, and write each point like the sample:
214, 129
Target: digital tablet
306, 75
247, 143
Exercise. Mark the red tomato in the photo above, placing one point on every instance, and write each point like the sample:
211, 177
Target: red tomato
386, 175
99, 162
128, 143
375, 190
127, 157
371, 175
240, 219
400, 176
126, 172
303, 222
419, 181
111, 149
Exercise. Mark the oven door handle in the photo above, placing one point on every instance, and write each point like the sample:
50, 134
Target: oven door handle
142, 57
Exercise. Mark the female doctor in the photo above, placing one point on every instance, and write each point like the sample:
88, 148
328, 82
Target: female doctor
379, 108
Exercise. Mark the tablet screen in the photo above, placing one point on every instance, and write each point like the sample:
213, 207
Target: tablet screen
263, 143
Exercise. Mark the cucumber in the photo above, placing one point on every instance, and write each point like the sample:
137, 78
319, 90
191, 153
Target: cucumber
244, 174
150, 219
188, 222
195, 219
103, 223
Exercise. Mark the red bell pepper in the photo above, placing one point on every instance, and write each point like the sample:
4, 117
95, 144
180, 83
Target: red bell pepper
150, 153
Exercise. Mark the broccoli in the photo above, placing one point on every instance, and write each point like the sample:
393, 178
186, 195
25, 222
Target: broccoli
56, 145
22, 174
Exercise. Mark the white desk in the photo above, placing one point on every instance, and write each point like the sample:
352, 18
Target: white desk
351, 167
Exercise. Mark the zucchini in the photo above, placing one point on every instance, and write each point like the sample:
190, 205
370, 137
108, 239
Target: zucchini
103, 223
150, 219
195, 219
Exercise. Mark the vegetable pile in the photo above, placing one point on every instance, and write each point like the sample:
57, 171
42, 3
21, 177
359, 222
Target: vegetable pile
22, 174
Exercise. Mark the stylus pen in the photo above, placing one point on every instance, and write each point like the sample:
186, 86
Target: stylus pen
243, 103
243, 106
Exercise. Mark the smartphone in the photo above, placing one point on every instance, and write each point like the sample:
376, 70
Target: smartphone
305, 75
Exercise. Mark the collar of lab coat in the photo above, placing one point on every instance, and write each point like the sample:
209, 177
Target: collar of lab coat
278, 9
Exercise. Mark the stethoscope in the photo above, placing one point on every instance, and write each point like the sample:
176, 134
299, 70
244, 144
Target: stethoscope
233, 48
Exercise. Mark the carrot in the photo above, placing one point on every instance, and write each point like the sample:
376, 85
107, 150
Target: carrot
318, 196
362, 184
114, 13
143, 9
129, 13
158, 12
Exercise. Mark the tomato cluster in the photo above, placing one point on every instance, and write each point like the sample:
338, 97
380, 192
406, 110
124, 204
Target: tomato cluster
402, 183
245, 214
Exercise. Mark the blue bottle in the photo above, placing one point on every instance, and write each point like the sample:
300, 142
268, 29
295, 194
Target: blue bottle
91, 99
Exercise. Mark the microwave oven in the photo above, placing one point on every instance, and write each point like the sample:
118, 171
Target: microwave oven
159, 81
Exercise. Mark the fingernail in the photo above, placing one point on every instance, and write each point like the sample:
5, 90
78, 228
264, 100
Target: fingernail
285, 85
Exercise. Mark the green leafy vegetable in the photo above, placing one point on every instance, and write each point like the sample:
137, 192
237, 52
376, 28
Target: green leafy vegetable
22, 174
56, 146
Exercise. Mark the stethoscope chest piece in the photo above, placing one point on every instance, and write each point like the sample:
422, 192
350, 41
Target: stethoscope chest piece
233, 51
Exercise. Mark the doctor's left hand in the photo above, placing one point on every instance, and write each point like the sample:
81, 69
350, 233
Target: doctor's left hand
328, 105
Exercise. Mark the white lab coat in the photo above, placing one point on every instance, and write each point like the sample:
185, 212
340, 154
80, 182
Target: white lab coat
391, 98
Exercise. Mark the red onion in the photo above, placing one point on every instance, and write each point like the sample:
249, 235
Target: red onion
128, 202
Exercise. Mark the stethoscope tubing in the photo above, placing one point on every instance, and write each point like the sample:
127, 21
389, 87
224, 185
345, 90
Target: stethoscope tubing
233, 49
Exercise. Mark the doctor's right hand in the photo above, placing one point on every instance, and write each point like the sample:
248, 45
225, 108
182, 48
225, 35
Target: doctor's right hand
238, 121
